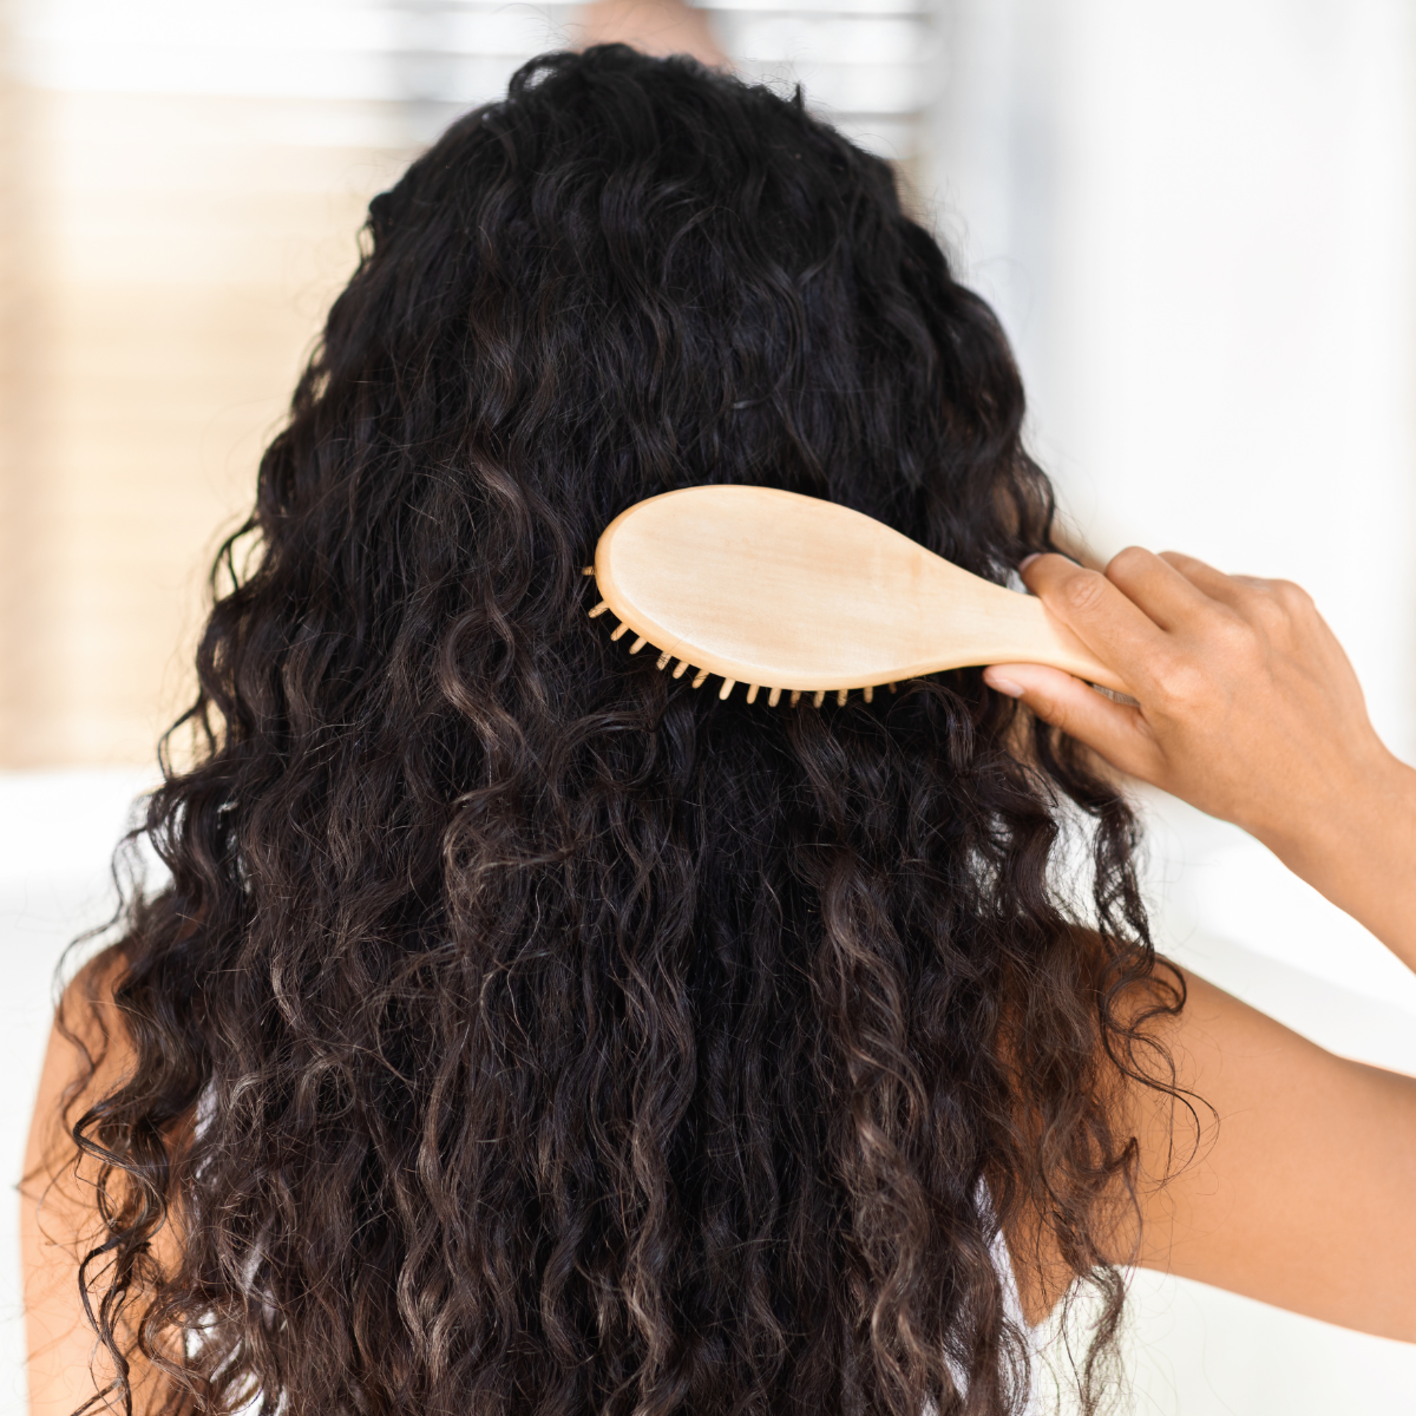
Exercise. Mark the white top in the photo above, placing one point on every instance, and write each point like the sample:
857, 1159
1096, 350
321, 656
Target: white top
1013, 1307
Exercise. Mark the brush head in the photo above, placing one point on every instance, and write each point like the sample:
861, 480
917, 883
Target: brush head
789, 592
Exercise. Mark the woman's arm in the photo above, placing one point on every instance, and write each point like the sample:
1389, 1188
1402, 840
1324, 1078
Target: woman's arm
1302, 1184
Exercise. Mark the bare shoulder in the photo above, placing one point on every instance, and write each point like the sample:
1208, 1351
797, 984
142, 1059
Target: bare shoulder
88, 1054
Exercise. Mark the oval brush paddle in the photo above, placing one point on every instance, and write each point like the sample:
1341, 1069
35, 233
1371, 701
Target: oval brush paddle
787, 592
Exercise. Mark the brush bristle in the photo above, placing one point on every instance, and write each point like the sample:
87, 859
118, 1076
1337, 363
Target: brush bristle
701, 676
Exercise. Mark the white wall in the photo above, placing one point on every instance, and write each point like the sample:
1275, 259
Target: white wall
1197, 223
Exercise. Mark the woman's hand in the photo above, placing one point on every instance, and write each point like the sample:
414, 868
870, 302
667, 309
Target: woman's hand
1247, 707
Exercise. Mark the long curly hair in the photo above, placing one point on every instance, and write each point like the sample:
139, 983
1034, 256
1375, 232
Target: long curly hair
522, 1031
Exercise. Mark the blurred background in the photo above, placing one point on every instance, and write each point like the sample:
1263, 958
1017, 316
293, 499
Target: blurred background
1198, 222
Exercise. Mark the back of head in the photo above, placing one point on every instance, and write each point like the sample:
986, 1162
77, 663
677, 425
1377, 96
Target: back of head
562, 1039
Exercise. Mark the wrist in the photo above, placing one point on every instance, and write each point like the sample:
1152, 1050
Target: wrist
1357, 845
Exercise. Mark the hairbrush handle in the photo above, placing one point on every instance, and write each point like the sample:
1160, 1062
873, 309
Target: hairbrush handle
777, 590
984, 623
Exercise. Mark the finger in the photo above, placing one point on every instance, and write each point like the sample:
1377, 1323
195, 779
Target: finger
1214, 583
1148, 580
1100, 614
1252, 598
1115, 730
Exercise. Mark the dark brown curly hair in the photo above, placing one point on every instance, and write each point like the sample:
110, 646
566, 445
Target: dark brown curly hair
522, 1031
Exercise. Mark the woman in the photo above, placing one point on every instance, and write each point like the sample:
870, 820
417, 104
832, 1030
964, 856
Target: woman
524, 1031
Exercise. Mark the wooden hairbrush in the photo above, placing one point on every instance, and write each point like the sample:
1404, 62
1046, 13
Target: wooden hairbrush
791, 593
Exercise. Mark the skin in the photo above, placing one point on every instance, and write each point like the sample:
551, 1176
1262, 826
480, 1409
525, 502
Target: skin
58, 1223
1298, 1188
659, 27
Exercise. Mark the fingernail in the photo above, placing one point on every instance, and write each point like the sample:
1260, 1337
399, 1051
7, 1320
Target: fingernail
1003, 685
1028, 560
